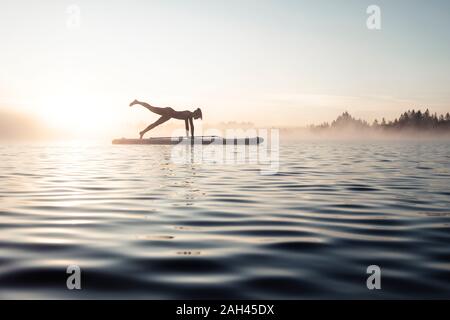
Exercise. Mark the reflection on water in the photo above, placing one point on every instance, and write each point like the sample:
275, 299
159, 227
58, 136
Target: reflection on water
140, 226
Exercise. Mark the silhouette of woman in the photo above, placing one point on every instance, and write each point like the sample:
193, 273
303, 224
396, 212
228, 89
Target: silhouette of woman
169, 113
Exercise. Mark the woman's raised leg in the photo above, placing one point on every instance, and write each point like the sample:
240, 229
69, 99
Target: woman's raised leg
160, 111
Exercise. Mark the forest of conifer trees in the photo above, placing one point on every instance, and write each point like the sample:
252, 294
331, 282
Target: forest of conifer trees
410, 120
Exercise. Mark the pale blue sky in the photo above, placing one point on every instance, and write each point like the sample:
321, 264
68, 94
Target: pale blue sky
270, 62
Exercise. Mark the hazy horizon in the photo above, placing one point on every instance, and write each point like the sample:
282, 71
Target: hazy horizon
37, 130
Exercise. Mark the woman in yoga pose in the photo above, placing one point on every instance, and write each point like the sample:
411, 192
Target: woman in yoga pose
169, 113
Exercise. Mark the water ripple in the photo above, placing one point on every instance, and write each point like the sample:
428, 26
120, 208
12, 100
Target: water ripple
140, 226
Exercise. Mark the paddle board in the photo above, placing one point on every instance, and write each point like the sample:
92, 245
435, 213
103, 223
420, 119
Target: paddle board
205, 140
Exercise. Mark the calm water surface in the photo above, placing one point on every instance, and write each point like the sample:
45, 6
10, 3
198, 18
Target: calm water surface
140, 226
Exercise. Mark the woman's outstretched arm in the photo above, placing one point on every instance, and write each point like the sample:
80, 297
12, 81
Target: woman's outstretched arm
186, 123
191, 122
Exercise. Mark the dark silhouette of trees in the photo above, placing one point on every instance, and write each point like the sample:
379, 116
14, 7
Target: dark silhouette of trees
410, 120
342, 122
419, 120
346, 120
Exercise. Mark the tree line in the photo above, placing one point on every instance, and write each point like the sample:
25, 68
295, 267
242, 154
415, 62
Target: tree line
409, 120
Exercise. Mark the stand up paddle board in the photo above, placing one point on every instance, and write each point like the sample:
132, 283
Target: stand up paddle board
205, 140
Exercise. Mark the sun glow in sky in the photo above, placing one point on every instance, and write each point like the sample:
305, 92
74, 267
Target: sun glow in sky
275, 63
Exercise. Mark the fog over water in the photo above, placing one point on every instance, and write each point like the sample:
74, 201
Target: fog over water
20, 127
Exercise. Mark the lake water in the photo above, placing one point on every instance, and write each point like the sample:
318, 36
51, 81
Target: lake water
140, 226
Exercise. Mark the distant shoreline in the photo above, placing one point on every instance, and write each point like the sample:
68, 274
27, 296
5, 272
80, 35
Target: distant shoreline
411, 124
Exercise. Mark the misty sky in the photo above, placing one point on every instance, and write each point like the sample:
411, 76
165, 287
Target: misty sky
270, 62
